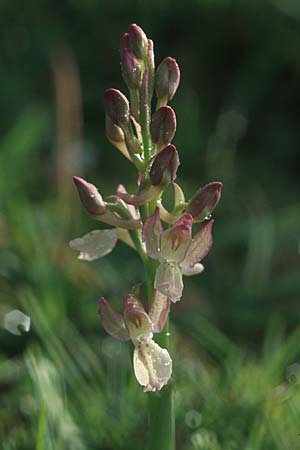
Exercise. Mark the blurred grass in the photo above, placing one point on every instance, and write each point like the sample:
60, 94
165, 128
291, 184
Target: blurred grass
67, 385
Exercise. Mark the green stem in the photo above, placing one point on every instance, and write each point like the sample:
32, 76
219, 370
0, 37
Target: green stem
161, 419
161, 433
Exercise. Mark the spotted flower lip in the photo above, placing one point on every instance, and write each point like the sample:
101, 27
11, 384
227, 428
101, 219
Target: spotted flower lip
177, 251
152, 364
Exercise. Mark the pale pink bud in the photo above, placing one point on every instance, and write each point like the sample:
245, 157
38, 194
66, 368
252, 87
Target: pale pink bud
138, 41
131, 69
167, 79
90, 197
164, 167
124, 41
163, 126
116, 106
205, 200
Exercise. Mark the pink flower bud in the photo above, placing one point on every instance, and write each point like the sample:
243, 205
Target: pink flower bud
113, 132
163, 126
90, 197
205, 200
116, 106
124, 41
131, 69
164, 167
167, 79
151, 68
138, 41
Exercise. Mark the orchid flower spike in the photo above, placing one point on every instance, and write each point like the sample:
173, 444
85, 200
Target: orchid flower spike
178, 253
152, 364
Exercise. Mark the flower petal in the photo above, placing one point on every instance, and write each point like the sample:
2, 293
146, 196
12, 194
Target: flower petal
152, 365
176, 240
168, 280
136, 319
152, 231
16, 322
112, 321
200, 246
95, 244
195, 270
159, 311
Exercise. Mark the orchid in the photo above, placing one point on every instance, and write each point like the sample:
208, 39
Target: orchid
178, 253
152, 364
143, 133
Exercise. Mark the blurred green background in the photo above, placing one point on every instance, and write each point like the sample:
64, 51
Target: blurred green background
66, 384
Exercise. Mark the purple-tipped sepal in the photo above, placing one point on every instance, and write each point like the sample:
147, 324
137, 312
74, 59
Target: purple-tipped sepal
112, 321
198, 249
152, 231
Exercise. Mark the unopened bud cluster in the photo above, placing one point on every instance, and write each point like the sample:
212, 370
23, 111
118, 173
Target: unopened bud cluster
142, 128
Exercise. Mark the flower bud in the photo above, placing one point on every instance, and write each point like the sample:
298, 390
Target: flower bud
116, 106
164, 167
205, 200
124, 42
167, 79
163, 126
113, 132
131, 69
90, 197
138, 41
116, 137
151, 68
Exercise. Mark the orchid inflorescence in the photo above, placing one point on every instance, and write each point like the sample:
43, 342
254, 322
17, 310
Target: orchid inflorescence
162, 238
